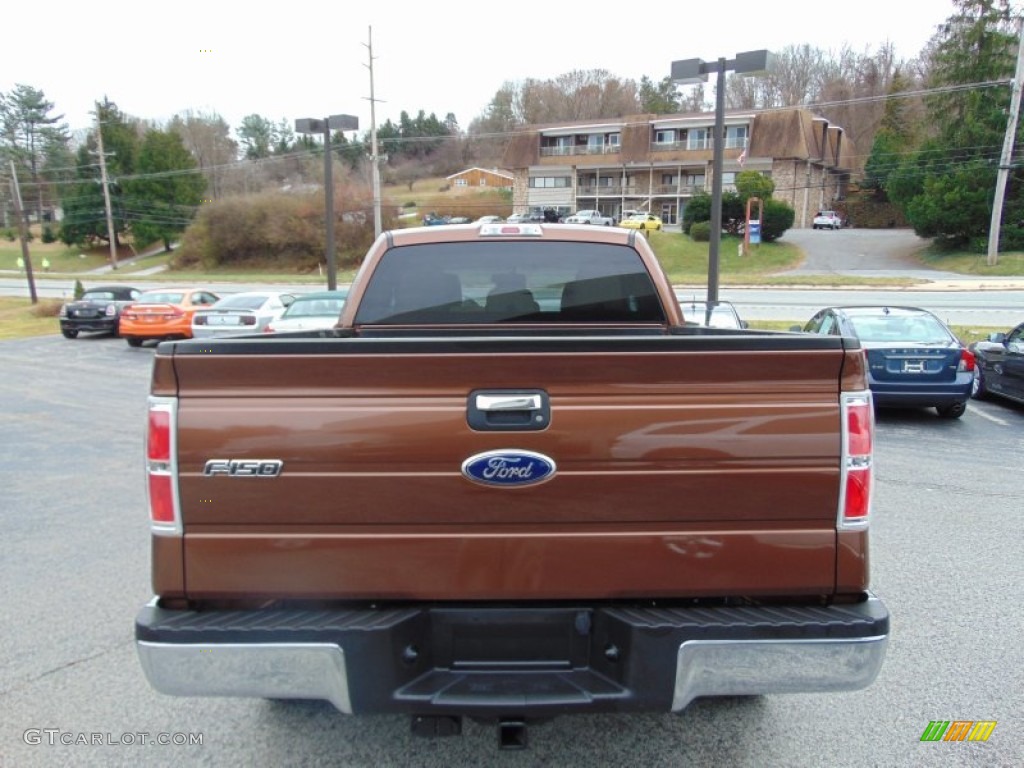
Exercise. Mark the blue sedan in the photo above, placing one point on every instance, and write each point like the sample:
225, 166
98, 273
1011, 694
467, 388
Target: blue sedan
913, 359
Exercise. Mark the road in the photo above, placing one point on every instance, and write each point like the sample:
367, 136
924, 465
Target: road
945, 557
993, 302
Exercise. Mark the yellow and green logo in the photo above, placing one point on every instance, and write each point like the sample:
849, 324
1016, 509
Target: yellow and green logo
958, 730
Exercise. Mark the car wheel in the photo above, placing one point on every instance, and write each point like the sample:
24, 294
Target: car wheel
954, 411
69, 334
133, 341
979, 390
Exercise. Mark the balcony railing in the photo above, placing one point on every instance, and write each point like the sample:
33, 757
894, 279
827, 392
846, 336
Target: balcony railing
603, 190
699, 145
606, 149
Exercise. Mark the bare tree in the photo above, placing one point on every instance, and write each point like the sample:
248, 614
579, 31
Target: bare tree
208, 138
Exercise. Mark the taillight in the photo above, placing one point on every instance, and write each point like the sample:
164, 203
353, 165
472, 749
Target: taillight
268, 328
161, 466
198, 319
966, 364
858, 416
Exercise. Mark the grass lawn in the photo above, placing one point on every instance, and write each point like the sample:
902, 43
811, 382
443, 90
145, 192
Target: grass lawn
1010, 264
19, 318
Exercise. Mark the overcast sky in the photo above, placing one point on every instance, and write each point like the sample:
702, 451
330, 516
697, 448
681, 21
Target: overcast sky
309, 59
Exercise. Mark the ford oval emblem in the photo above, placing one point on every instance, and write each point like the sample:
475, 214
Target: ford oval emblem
508, 468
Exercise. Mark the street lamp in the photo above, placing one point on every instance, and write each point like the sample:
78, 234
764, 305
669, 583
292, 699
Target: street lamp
312, 125
688, 71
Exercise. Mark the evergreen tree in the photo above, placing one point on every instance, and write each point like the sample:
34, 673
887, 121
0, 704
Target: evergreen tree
162, 198
946, 187
82, 202
660, 98
27, 132
894, 139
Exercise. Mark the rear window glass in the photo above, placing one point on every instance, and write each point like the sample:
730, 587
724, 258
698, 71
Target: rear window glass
242, 302
315, 307
161, 297
922, 328
510, 281
98, 296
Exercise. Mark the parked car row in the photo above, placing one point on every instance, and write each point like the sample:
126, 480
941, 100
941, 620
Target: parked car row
182, 313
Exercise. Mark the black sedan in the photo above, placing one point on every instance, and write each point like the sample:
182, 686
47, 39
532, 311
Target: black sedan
1000, 365
913, 359
99, 309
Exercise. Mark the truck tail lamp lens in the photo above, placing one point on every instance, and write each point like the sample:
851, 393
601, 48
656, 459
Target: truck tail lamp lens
161, 466
858, 446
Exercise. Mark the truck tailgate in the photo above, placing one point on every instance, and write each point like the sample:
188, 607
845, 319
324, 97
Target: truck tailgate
665, 451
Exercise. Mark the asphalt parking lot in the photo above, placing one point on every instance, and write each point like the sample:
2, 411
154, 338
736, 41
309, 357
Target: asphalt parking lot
946, 557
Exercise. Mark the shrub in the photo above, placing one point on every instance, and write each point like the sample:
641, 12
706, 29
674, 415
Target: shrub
776, 219
409, 204
9, 234
79, 289
700, 231
48, 236
275, 230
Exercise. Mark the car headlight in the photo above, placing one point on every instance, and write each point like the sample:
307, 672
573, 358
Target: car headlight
111, 310
63, 310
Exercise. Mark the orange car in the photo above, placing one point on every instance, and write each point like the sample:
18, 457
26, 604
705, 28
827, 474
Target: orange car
163, 313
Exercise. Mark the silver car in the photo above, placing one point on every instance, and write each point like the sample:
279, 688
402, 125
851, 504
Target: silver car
240, 313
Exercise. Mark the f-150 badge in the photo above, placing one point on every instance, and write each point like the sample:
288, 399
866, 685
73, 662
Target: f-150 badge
508, 468
243, 467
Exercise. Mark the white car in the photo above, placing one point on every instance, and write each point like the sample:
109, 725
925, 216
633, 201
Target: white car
590, 217
240, 313
827, 220
716, 314
311, 311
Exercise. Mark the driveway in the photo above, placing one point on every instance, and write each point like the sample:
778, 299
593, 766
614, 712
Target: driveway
863, 253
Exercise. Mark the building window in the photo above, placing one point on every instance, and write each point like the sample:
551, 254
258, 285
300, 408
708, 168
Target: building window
695, 180
697, 138
550, 182
728, 177
483, 181
664, 137
460, 182
614, 139
669, 179
736, 136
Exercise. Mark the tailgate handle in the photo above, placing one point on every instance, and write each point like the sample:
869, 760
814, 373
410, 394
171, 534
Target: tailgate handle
511, 402
508, 410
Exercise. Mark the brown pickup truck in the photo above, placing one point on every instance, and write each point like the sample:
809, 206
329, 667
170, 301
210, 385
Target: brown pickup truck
513, 482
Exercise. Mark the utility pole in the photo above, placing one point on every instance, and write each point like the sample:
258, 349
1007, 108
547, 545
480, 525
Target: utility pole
373, 144
106, 191
1004, 159
23, 231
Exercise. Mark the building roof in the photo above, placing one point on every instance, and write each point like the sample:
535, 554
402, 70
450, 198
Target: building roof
495, 171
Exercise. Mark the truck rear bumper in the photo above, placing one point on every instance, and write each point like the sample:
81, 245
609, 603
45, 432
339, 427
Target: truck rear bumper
526, 661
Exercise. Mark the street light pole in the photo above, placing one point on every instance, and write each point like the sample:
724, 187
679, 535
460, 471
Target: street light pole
717, 156
686, 72
312, 125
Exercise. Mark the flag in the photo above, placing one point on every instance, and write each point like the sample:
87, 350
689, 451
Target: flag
742, 158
